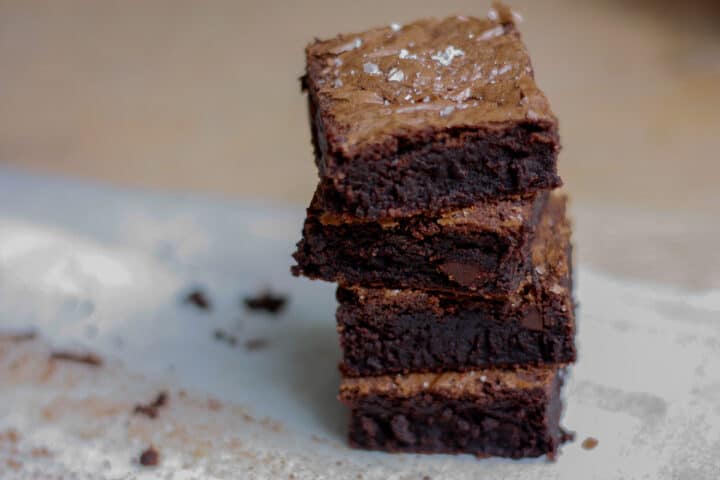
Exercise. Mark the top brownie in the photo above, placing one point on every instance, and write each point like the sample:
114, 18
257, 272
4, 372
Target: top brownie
427, 117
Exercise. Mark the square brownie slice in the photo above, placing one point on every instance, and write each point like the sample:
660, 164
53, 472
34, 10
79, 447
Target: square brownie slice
402, 331
505, 413
385, 331
483, 249
429, 116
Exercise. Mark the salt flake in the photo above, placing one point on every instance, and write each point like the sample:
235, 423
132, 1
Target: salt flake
405, 55
446, 57
396, 75
492, 33
371, 69
504, 69
447, 111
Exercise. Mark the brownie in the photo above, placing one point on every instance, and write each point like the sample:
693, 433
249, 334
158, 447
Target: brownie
483, 248
480, 249
505, 413
427, 117
401, 331
385, 331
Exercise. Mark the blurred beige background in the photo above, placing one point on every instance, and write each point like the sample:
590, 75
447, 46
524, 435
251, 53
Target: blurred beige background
204, 96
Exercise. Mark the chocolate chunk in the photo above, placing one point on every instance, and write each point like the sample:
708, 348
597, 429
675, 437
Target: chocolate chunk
401, 429
532, 320
463, 273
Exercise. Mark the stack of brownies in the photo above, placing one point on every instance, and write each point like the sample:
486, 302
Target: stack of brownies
434, 214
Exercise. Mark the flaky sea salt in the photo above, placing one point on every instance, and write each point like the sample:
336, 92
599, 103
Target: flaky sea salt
371, 69
447, 111
446, 56
396, 75
405, 55
492, 33
357, 43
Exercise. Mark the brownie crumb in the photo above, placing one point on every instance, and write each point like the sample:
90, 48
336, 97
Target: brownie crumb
256, 344
199, 299
589, 443
223, 336
566, 436
150, 457
214, 405
40, 452
19, 336
266, 301
151, 409
86, 358
11, 435
13, 464
273, 425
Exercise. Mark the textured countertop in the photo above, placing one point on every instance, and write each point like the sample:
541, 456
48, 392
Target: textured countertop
111, 281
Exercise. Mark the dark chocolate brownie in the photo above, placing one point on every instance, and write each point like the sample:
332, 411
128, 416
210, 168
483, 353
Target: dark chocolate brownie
506, 413
428, 117
399, 331
480, 249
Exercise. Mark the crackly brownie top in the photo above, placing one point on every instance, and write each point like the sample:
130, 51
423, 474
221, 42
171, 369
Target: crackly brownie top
478, 384
432, 74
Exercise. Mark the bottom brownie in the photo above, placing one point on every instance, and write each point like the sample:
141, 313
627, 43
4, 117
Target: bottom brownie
493, 412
